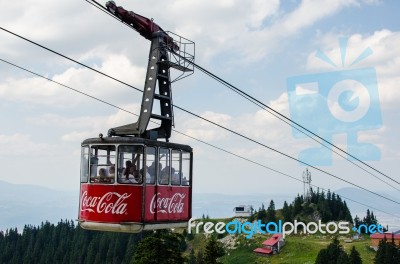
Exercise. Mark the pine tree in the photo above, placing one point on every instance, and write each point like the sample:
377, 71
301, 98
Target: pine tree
374, 221
387, 253
192, 257
297, 206
381, 252
334, 254
354, 256
314, 196
307, 209
163, 247
367, 219
322, 257
252, 217
343, 258
329, 195
271, 217
199, 258
394, 253
189, 236
334, 249
262, 215
324, 210
213, 251
287, 213
333, 207
347, 214
322, 196
357, 221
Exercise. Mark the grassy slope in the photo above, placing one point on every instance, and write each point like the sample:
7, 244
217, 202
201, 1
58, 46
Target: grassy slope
298, 249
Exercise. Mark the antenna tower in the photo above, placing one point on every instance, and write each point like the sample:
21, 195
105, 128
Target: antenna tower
307, 184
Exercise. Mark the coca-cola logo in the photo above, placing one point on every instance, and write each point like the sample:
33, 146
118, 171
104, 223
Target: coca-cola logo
109, 203
165, 205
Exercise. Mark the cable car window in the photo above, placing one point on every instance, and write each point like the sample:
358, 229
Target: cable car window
164, 166
130, 164
151, 165
176, 167
102, 164
185, 173
84, 164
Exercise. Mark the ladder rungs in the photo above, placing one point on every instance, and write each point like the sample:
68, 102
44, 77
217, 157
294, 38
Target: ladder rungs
160, 117
176, 66
162, 76
160, 96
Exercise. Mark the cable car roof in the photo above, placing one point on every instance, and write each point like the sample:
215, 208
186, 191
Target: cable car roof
135, 140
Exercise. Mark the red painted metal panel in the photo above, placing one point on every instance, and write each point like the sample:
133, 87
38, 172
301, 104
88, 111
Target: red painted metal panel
167, 203
110, 203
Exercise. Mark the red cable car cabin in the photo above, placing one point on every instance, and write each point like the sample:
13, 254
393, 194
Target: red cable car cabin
132, 184
130, 181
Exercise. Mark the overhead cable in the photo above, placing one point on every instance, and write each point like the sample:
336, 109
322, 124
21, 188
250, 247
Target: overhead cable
261, 144
269, 109
201, 141
276, 114
230, 130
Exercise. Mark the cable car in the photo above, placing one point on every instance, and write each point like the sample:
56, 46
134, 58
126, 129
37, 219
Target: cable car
132, 184
130, 180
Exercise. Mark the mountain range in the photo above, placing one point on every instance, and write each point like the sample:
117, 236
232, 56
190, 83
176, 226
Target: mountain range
23, 204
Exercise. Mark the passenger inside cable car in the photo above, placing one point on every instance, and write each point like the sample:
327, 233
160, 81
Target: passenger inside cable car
131, 168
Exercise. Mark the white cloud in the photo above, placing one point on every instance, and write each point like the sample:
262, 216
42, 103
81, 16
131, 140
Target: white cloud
309, 12
271, 38
82, 127
41, 91
76, 136
251, 29
258, 29
202, 129
260, 126
23, 145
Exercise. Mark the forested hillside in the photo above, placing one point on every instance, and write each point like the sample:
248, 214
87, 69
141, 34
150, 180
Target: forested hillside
318, 206
66, 243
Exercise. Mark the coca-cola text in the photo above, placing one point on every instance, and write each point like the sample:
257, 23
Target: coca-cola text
165, 205
109, 203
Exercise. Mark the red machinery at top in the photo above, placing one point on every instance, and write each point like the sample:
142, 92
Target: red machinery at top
130, 180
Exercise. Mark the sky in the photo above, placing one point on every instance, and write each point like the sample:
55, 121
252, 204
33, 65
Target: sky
258, 46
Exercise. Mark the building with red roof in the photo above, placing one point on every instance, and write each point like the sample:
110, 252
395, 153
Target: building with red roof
271, 246
377, 237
